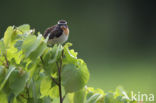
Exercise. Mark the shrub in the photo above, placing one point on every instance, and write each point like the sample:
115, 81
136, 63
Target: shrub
32, 72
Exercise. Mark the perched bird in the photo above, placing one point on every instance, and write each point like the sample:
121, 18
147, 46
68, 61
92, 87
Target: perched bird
58, 33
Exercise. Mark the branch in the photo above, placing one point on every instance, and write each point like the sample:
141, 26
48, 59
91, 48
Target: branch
59, 75
53, 79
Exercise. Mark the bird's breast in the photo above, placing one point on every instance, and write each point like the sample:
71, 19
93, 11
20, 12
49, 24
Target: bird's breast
66, 31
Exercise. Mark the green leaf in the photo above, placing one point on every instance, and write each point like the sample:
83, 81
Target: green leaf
70, 98
11, 55
109, 98
35, 100
18, 44
46, 100
54, 92
70, 55
9, 33
56, 100
50, 57
30, 44
75, 68
56, 53
2, 73
80, 96
3, 97
34, 93
95, 98
11, 69
50, 68
17, 81
45, 86
120, 92
38, 52
2, 47
24, 28
74, 77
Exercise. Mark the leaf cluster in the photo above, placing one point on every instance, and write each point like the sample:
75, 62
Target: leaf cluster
29, 71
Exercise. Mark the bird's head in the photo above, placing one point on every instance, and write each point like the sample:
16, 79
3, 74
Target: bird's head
63, 25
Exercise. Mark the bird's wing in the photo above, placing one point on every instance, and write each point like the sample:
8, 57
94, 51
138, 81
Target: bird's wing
54, 32
47, 31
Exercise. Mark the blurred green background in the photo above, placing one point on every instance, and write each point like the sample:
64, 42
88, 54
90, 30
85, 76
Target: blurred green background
117, 38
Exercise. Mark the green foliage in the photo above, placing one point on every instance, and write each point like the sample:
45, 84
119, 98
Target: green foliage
74, 78
29, 71
9, 71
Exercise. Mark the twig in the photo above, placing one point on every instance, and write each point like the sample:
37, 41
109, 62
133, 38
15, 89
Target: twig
64, 97
54, 80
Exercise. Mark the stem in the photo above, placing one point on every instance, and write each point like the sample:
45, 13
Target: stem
59, 76
60, 89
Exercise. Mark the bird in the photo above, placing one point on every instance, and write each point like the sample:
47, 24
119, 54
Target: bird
58, 34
